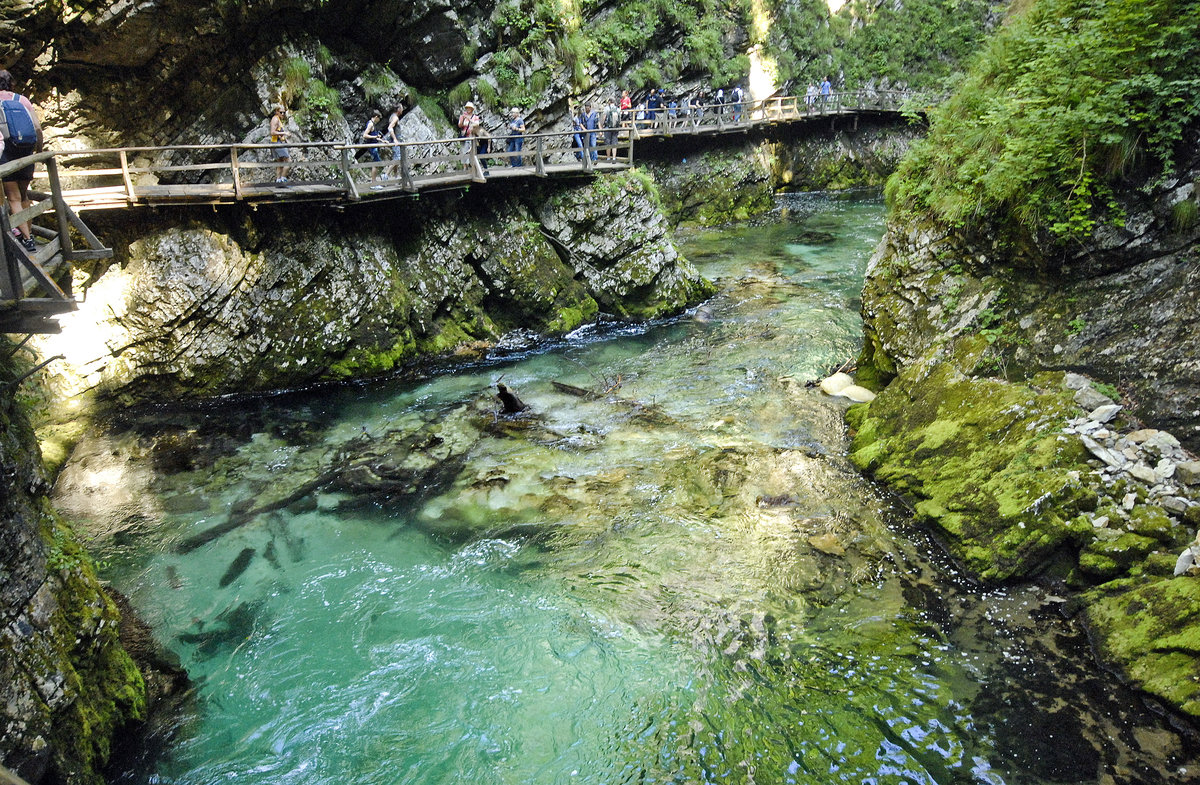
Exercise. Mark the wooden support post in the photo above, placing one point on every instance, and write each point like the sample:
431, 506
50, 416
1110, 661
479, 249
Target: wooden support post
60, 210
589, 144
10, 281
129, 194
406, 178
539, 160
237, 173
344, 160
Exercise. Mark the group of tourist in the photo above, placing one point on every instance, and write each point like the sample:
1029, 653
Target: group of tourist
588, 123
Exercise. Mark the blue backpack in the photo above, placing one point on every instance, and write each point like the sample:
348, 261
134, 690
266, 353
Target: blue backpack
16, 123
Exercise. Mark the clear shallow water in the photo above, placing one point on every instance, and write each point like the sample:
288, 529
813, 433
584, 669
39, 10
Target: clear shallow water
678, 580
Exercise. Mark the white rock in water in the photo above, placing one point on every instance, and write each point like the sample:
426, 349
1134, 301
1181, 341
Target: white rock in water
857, 394
836, 383
1185, 561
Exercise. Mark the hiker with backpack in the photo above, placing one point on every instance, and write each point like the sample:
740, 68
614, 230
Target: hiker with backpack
21, 134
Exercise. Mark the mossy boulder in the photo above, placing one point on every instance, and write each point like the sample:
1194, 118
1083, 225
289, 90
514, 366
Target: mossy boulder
1111, 553
1151, 631
982, 459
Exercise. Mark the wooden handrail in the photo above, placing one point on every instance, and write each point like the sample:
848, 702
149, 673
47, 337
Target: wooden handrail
336, 171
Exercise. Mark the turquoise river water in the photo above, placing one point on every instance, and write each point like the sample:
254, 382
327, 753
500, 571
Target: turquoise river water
666, 572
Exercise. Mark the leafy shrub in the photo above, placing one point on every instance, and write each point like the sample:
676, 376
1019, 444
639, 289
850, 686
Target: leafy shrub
1068, 98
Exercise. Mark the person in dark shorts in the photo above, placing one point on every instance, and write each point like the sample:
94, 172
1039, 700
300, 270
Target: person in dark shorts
16, 184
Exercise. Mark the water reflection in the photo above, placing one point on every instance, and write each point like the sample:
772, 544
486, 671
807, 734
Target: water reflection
665, 572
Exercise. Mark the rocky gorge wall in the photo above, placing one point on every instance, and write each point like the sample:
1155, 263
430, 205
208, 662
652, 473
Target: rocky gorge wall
277, 300
710, 182
1040, 411
66, 684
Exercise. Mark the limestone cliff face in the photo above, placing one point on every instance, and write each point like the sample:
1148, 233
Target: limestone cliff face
717, 182
1121, 308
201, 310
1020, 463
66, 685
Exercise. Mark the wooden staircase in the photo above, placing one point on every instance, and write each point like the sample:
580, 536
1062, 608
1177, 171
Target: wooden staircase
35, 286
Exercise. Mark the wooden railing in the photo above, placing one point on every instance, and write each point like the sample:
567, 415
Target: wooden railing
29, 290
729, 117
213, 174
182, 174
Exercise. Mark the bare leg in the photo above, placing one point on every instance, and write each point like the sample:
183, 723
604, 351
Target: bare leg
17, 195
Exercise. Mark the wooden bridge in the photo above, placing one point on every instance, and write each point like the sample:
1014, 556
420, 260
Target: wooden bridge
36, 286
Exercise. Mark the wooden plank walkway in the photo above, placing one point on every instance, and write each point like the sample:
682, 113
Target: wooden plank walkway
121, 178
117, 178
32, 290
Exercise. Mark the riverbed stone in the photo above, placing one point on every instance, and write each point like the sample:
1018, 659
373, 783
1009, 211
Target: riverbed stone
1141, 471
1188, 472
1104, 413
1090, 399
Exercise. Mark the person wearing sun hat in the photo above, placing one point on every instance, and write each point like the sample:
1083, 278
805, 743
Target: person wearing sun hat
464, 119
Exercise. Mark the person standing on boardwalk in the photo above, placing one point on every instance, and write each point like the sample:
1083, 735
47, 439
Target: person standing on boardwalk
653, 104
393, 135
576, 136
589, 120
482, 142
612, 122
279, 135
370, 135
810, 95
626, 107
464, 119
516, 135
826, 89
737, 96
464, 124
22, 137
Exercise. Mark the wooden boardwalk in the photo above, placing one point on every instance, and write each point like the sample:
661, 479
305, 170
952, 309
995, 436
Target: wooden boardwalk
114, 178
34, 287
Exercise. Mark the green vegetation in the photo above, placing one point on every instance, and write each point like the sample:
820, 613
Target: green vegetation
1185, 215
378, 81
308, 93
1066, 100
650, 43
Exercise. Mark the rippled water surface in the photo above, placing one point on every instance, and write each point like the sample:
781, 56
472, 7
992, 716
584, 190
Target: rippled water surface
677, 578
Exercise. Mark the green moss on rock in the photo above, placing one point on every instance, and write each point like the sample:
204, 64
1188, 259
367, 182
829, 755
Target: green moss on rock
985, 462
1152, 633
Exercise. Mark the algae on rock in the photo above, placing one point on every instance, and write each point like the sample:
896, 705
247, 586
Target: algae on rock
66, 684
983, 460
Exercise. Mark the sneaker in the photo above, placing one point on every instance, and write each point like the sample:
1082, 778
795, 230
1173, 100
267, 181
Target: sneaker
30, 244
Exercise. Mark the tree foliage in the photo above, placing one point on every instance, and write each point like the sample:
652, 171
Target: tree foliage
1066, 100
